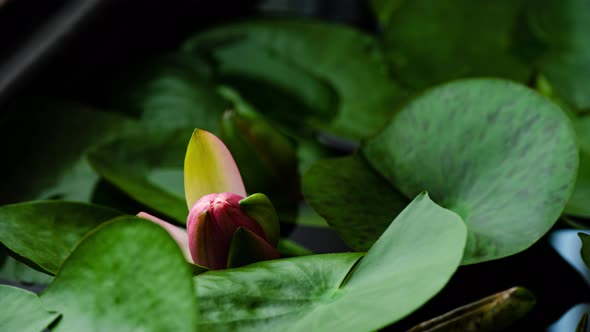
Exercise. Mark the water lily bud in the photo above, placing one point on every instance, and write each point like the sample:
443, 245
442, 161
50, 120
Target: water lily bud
221, 234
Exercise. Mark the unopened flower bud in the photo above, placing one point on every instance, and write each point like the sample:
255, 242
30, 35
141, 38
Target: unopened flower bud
224, 233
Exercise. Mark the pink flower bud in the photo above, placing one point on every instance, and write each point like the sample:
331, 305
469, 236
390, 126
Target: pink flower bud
212, 223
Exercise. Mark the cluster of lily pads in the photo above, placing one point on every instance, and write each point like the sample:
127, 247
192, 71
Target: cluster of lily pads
421, 156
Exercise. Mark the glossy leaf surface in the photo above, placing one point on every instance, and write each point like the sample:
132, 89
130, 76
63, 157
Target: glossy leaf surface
44, 233
22, 311
138, 281
402, 270
313, 80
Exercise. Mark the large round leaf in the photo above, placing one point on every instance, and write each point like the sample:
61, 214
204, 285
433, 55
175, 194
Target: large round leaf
431, 41
127, 275
43, 150
303, 71
402, 270
43, 234
498, 154
22, 311
355, 200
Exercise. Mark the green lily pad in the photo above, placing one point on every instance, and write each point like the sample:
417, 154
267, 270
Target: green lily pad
128, 274
402, 270
42, 234
305, 72
498, 154
174, 91
585, 251
46, 150
564, 27
355, 200
430, 42
149, 168
22, 311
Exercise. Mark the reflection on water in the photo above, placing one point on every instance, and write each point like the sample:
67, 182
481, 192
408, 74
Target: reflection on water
569, 321
568, 244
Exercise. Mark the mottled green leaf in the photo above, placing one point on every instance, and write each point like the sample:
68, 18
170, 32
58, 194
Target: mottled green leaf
126, 275
430, 41
354, 199
498, 154
42, 234
22, 311
402, 270
305, 72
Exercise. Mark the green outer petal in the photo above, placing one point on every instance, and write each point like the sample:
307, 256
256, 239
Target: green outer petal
247, 248
209, 168
259, 207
